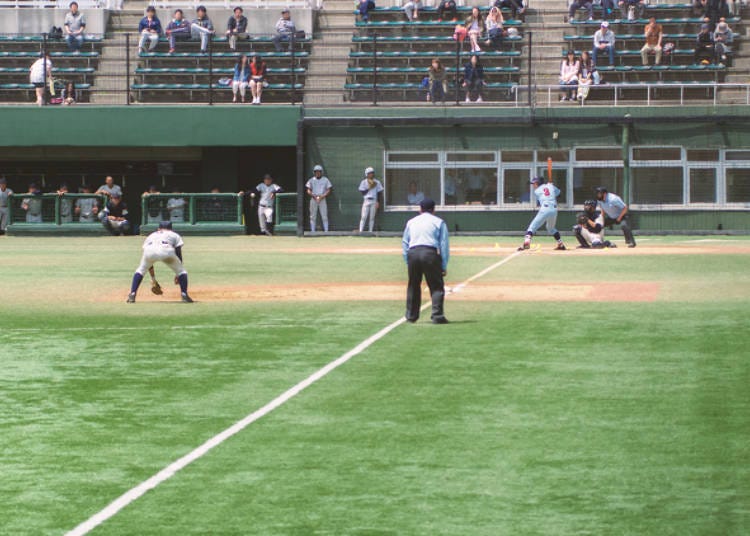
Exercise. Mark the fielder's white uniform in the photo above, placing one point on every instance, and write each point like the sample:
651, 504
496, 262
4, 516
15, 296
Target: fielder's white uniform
160, 246
591, 237
369, 208
4, 208
318, 187
265, 204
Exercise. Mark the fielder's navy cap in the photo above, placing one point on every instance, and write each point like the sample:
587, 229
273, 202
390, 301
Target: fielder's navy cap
3, 181
427, 204
165, 225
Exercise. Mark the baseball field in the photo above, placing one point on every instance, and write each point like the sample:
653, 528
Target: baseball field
577, 392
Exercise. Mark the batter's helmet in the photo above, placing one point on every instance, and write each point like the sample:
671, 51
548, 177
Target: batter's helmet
165, 225
536, 180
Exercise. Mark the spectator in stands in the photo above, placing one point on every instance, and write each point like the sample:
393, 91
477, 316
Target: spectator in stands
604, 42
411, 9
569, 76
74, 26
414, 196
364, 9
588, 64
473, 79
177, 29
109, 188
585, 81
699, 8
115, 216
240, 78
86, 208
723, 37
236, 27
653, 33
447, 10
150, 30
40, 74
69, 94
5, 192
608, 7
495, 31
33, 204
631, 9
515, 6
176, 207
202, 28
575, 5
438, 85
66, 204
475, 28
154, 213
704, 46
285, 30
257, 78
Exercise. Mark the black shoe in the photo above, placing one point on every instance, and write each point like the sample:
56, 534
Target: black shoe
411, 320
186, 299
440, 320
631, 245
131, 297
583, 247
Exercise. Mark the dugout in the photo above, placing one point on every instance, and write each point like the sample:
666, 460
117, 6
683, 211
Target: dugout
190, 149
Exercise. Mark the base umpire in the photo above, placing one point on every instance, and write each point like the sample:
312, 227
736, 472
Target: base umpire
615, 212
426, 251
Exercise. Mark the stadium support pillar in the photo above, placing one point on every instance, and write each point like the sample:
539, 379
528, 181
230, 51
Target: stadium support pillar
300, 177
626, 161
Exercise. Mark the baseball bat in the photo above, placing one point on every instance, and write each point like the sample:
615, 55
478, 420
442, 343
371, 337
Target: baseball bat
549, 169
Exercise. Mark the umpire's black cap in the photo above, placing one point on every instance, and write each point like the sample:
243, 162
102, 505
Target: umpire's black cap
427, 205
600, 189
165, 225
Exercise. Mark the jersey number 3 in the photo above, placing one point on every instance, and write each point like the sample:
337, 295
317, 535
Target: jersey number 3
546, 192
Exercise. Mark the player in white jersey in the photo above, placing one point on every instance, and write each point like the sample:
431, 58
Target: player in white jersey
546, 196
5, 192
267, 191
589, 230
370, 188
163, 245
318, 188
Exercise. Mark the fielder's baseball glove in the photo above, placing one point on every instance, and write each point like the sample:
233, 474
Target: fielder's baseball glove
582, 218
156, 289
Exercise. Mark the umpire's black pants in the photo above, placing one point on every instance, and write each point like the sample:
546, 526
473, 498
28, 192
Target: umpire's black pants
624, 225
424, 261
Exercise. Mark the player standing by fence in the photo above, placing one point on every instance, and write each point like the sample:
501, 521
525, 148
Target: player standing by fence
318, 188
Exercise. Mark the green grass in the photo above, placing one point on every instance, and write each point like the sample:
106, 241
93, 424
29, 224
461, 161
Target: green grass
517, 418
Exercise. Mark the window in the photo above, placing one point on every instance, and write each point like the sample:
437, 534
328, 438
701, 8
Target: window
412, 157
401, 182
703, 155
470, 186
470, 157
657, 186
518, 156
586, 180
702, 185
657, 153
738, 185
560, 178
516, 186
598, 155
738, 155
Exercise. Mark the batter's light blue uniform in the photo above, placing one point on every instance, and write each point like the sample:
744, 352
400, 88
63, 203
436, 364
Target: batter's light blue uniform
546, 196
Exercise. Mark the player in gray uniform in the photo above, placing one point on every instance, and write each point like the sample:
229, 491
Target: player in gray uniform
267, 191
86, 208
33, 205
615, 212
66, 204
370, 189
109, 188
4, 193
589, 231
318, 188
163, 245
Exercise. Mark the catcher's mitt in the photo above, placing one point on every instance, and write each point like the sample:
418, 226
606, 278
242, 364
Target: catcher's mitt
156, 289
582, 218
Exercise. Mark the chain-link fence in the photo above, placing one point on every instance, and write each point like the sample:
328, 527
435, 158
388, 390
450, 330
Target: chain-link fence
54, 209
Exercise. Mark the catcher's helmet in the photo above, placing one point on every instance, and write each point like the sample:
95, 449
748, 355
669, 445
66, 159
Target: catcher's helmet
165, 225
589, 205
536, 180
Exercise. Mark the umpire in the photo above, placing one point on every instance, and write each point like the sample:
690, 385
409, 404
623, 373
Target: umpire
615, 212
425, 245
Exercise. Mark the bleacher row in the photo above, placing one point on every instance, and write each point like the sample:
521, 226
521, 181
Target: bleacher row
388, 53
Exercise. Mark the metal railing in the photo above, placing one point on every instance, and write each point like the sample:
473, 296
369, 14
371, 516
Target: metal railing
191, 208
55, 209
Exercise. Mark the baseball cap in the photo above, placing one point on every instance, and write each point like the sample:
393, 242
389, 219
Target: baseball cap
165, 225
600, 189
605, 24
535, 180
369, 170
318, 168
285, 10
427, 204
722, 26
3, 181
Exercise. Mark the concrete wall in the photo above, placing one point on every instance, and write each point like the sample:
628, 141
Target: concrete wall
35, 21
259, 21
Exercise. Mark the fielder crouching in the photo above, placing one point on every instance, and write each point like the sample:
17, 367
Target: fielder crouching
589, 230
163, 245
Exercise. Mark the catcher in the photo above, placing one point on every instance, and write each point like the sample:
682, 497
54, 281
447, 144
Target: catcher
166, 246
589, 229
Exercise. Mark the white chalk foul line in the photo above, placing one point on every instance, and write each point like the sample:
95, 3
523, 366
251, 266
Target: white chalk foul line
133, 494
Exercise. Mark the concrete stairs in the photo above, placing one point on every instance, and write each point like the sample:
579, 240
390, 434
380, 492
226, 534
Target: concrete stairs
329, 56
